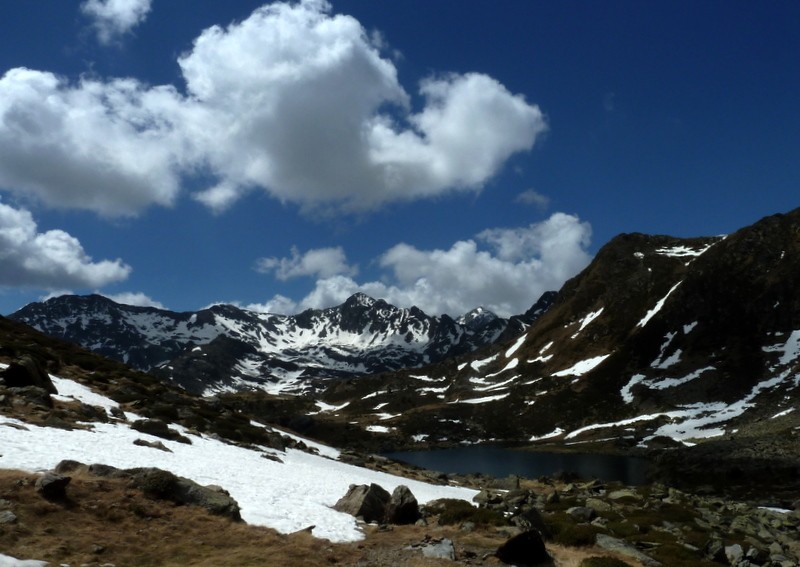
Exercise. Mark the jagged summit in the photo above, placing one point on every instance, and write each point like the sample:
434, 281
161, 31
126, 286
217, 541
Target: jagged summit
224, 347
478, 317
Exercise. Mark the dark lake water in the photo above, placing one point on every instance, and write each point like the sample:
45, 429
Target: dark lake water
501, 462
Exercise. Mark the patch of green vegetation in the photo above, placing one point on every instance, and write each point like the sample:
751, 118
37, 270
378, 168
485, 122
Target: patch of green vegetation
563, 503
456, 512
578, 535
623, 528
565, 531
676, 555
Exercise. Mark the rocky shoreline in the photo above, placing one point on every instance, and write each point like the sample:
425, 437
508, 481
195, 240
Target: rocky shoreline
653, 524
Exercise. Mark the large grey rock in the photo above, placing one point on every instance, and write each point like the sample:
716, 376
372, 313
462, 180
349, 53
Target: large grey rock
7, 517
734, 553
158, 428
367, 502
402, 507
164, 485
526, 548
441, 550
582, 513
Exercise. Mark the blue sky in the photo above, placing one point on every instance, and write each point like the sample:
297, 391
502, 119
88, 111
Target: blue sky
446, 154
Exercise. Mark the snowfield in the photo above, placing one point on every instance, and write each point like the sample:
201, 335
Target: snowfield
287, 496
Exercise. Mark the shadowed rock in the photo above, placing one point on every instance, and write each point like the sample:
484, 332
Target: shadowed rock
52, 485
525, 549
367, 502
27, 371
403, 507
164, 485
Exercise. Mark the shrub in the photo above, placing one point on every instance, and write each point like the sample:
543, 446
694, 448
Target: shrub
565, 531
455, 512
578, 535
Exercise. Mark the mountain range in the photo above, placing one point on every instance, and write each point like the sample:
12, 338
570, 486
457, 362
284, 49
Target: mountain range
225, 348
660, 341
684, 349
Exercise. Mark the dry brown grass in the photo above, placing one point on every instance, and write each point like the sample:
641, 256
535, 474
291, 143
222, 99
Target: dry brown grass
103, 520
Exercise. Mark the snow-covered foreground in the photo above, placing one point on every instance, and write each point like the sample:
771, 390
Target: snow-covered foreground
286, 496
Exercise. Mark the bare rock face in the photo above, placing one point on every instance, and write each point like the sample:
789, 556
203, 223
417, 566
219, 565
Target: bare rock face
367, 502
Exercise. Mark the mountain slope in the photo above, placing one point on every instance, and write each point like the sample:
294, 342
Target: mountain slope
224, 348
659, 337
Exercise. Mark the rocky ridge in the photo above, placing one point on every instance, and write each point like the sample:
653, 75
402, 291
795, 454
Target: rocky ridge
225, 348
660, 342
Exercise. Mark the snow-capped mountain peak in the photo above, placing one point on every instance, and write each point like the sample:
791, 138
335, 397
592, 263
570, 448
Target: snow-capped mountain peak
224, 347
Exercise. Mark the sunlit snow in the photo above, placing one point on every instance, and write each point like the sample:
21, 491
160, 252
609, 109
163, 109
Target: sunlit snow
582, 367
650, 314
790, 350
300, 491
516, 346
323, 407
682, 251
586, 320
478, 364
481, 400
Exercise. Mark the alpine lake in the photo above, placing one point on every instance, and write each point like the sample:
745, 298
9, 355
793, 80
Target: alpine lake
499, 462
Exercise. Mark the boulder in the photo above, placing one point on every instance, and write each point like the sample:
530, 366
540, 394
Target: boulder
582, 513
27, 371
68, 466
32, 395
367, 502
52, 485
525, 549
734, 553
164, 485
158, 428
152, 444
440, 550
403, 507
714, 550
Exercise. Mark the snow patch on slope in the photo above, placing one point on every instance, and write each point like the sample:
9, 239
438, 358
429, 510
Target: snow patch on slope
650, 314
301, 491
586, 320
790, 350
582, 367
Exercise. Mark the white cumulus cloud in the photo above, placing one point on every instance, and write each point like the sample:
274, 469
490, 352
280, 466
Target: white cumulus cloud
110, 147
51, 260
319, 262
293, 100
112, 19
136, 298
505, 270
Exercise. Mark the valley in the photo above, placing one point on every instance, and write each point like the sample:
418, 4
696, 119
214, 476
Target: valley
681, 352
